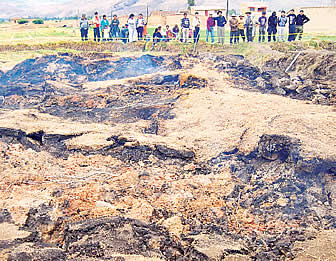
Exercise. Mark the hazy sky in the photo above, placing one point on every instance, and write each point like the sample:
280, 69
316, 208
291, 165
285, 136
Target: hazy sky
10, 8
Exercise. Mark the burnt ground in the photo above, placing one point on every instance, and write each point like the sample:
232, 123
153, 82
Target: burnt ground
103, 193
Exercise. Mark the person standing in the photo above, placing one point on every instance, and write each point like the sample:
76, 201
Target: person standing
255, 23
96, 27
132, 37
249, 26
241, 28
234, 36
114, 28
262, 27
282, 21
301, 19
104, 24
140, 24
124, 34
291, 25
272, 27
84, 28
185, 26
221, 22
210, 29
197, 27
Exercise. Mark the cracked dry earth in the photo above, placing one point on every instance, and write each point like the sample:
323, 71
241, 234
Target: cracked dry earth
204, 157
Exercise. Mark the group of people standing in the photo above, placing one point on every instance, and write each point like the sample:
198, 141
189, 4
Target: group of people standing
244, 28
276, 26
106, 30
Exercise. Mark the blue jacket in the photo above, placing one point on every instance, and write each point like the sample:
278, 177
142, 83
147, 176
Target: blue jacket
114, 23
185, 23
104, 23
262, 21
282, 21
221, 21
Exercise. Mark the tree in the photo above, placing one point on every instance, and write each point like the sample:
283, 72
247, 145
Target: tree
22, 21
38, 21
191, 3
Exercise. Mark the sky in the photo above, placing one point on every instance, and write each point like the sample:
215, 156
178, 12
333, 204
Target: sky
12, 8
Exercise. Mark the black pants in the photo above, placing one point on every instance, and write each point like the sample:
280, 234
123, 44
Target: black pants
272, 31
96, 34
140, 31
84, 34
234, 37
292, 33
249, 34
241, 33
196, 34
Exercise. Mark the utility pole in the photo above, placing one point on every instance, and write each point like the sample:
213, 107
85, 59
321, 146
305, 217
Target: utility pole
227, 9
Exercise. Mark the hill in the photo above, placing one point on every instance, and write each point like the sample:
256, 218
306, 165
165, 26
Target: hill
63, 8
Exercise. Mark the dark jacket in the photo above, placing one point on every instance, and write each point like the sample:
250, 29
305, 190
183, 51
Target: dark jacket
185, 23
114, 23
291, 19
262, 21
301, 19
273, 21
220, 20
157, 37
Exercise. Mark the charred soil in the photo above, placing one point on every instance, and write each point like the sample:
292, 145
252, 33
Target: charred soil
184, 157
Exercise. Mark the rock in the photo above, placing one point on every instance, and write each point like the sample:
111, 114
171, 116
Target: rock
291, 87
103, 237
261, 83
5, 216
33, 252
174, 226
296, 80
11, 232
103, 204
38, 217
280, 91
174, 153
216, 246
273, 147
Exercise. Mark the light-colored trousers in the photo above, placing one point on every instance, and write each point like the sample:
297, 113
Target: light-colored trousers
221, 34
133, 34
185, 34
281, 33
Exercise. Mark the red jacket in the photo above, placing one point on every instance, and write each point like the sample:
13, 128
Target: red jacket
210, 23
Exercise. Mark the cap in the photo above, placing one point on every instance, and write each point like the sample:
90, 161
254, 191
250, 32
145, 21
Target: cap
248, 13
263, 12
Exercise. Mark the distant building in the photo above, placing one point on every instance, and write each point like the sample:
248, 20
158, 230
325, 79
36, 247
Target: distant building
15, 19
206, 10
253, 7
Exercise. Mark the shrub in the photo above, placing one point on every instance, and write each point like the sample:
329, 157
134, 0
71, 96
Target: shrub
22, 21
38, 21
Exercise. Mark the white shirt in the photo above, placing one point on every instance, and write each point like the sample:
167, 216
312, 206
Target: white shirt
196, 22
131, 23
